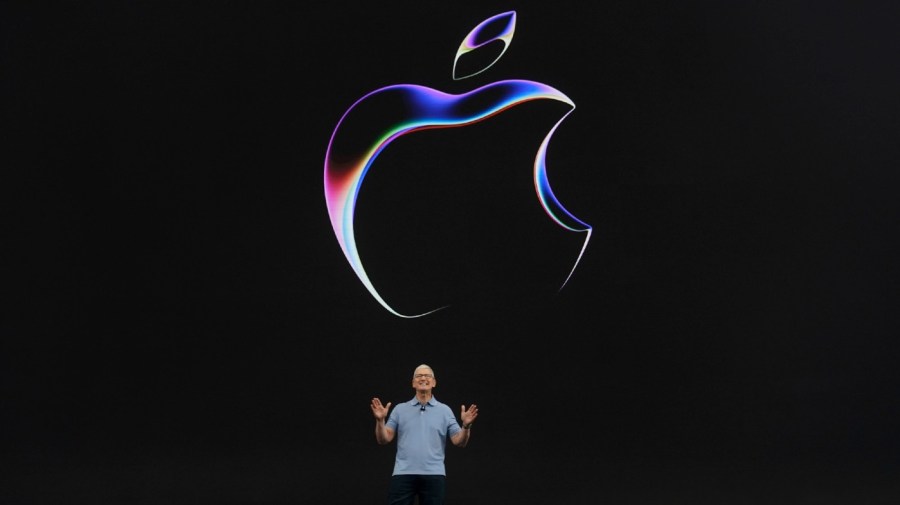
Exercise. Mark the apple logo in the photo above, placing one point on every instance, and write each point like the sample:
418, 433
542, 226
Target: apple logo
380, 117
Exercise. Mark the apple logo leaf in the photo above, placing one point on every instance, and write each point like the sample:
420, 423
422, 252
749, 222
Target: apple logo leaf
495, 31
381, 116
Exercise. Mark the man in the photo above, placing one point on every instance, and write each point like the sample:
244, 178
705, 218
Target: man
422, 425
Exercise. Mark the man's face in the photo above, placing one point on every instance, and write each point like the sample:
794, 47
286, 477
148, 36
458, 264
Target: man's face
423, 379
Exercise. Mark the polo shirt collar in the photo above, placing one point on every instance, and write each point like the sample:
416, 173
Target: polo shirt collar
415, 401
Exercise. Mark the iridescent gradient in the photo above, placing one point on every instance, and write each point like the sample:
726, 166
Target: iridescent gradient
475, 39
382, 116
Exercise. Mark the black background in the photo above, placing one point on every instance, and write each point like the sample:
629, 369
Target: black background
181, 327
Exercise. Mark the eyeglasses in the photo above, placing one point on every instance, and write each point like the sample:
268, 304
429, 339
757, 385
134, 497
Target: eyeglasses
423, 376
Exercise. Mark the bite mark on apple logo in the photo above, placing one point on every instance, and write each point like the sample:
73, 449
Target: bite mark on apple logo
385, 114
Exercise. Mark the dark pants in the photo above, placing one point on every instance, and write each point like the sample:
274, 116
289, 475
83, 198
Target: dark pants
429, 488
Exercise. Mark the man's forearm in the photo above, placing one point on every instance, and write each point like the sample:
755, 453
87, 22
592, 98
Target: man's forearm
381, 433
